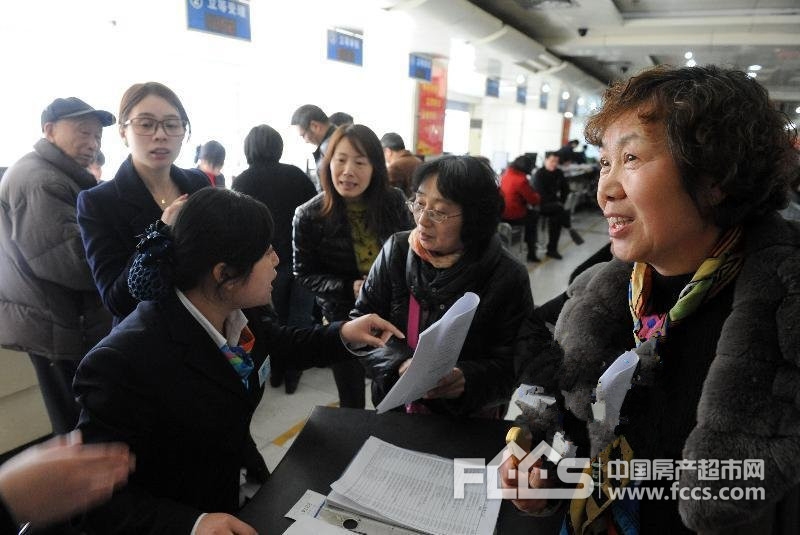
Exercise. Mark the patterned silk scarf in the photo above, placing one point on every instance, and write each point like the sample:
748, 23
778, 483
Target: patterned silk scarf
239, 355
719, 269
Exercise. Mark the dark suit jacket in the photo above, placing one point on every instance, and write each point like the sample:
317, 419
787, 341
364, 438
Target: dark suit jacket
159, 384
111, 216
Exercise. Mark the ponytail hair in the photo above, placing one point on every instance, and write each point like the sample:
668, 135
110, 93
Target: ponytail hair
215, 225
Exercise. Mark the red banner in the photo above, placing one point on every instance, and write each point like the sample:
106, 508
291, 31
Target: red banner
430, 113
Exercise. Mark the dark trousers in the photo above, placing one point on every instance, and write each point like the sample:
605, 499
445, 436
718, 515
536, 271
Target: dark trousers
349, 376
294, 306
55, 381
530, 221
557, 218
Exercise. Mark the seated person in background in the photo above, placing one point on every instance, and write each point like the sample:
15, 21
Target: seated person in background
567, 154
553, 188
178, 380
706, 278
420, 273
210, 159
518, 195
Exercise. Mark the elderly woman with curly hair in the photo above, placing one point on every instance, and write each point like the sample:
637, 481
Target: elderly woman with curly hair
706, 287
420, 273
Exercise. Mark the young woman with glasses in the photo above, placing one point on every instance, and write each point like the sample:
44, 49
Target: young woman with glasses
147, 187
419, 274
338, 233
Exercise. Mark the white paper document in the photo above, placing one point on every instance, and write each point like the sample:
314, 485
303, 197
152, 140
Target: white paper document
612, 388
412, 489
436, 355
308, 505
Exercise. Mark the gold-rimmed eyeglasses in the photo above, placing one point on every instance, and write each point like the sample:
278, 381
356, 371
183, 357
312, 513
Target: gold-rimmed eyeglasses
147, 126
436, 216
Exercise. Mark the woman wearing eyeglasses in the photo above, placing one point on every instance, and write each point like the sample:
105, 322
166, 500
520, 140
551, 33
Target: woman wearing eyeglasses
419, 274
147, 187
338, 233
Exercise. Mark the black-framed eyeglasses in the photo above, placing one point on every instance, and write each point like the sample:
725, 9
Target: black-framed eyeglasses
146, 126
436, 216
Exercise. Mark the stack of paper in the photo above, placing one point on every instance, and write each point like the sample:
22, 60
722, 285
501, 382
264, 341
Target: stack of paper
413, 490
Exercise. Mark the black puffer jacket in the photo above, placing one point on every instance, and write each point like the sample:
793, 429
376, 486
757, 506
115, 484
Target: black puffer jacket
504, 329
324, 258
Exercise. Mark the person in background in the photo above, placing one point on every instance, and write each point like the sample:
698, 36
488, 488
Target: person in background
178, 380
704, 287
519, 197
57, 479
567, 154
282, 188
147, 186
49, 306
96, 167
210, 159
339, 118
338, 234
419, 274
402, 163
316, 129
553, 188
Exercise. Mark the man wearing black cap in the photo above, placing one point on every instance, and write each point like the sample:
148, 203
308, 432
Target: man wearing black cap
49, 306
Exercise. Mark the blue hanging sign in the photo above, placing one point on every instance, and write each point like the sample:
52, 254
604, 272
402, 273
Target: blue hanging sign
543, 99
346, 47
420, 67
493, 87
522, 94
223, 17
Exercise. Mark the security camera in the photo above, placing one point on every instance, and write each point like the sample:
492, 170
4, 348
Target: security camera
583, 31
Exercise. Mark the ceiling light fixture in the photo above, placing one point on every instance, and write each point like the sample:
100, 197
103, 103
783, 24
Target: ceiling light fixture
688, 55
754, 67
568, 115
691, 63
521, 79
565, 95
545, 88
752, 74
797, 109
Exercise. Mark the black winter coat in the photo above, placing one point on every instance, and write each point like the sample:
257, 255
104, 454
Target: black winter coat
324, 258
159, 383
503, 331
282, 188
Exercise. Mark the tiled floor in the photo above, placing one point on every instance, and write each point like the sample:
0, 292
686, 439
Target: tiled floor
280, 417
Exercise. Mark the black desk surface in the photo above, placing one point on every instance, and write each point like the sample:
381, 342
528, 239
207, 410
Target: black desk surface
332, 437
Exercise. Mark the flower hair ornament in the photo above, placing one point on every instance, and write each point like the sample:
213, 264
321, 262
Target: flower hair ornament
150, 275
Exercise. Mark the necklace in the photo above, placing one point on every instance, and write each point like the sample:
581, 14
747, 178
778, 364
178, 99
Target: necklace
163, 202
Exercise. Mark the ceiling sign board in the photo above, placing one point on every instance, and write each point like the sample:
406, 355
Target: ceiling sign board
345, 46
522, 94
493, 87
420, 67
222, 17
